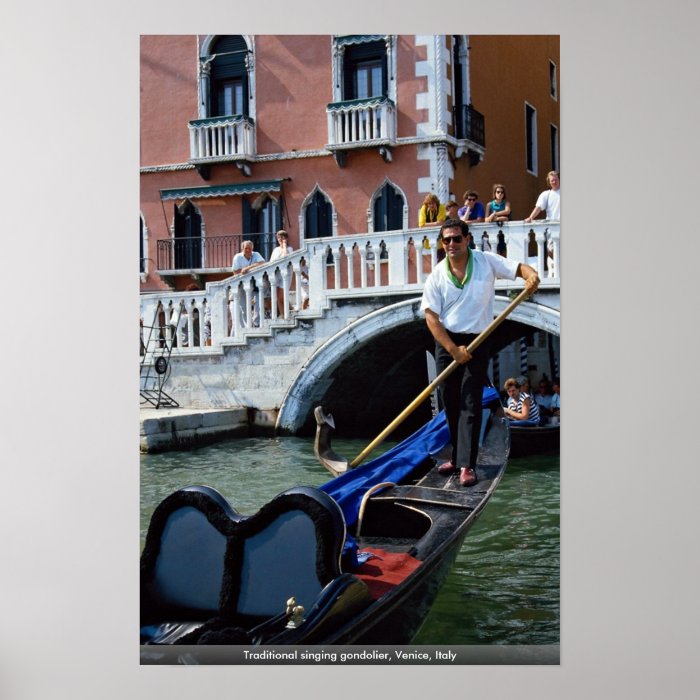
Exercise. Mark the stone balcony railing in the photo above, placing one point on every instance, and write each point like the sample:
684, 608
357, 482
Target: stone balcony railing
359, 123
351, 266
222, 139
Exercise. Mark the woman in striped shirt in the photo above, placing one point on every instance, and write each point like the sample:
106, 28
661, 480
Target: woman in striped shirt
522, 408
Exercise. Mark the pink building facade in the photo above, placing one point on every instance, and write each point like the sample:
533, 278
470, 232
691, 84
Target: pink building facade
329, 136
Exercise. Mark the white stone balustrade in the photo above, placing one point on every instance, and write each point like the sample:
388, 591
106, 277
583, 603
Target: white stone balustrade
349, 266
221, 139
361, 122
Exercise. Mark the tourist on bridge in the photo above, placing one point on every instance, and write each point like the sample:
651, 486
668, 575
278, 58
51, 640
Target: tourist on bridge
473, 210
282, 250
432, 212
243, 262
548, 201
498, 209
458, 299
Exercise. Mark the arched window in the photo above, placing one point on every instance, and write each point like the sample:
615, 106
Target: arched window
229, 88
318, 216
261, 220
187, 237
388, 209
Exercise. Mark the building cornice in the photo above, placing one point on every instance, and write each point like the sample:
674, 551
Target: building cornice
446, 139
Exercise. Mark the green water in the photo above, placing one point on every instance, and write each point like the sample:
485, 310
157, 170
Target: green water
504, 586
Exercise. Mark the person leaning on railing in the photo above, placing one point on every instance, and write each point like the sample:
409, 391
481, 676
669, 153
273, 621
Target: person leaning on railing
432, 212
548, 202
243, 262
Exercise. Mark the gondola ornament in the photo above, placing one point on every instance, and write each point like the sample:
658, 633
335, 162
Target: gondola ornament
295, 613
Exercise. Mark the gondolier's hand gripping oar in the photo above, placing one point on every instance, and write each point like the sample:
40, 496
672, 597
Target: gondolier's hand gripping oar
441, 377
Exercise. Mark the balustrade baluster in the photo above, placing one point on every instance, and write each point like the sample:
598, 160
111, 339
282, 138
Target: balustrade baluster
350, 262
363, 267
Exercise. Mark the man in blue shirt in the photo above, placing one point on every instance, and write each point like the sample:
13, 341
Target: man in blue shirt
473, 210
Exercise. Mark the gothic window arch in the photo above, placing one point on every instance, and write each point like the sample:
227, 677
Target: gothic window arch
227, 76
262, 218
188, 230
317, 218
388, 210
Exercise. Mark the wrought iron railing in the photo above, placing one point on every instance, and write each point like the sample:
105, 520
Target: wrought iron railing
469, 124
207, 253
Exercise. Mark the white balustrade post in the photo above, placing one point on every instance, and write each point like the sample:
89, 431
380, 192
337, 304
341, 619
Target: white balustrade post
350, 261
396, 249
555, 247
541, 251
285, 289
363, 267
274, 311
336, 266
193, 142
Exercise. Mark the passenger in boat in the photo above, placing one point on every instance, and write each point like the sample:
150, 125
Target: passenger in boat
473, 210
458, 299
243, 262
498, 209
556, 398
544, 397
282, 250
522, 409
431, 212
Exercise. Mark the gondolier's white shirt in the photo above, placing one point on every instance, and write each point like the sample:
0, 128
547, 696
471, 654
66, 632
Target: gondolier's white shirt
470, 309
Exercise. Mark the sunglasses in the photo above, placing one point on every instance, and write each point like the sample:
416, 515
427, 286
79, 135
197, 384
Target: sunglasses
452, 239
471, 199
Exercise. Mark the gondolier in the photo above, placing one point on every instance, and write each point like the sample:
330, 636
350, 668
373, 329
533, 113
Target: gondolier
458, 304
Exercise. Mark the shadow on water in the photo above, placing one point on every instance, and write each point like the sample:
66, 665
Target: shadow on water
504, 585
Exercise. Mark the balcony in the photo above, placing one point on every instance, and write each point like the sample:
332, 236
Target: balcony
363, 123
206, 254
222, 139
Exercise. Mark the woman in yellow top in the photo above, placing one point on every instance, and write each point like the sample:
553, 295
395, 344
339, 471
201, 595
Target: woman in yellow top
432, 213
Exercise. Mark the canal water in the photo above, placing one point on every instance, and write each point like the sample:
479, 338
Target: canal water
504, 586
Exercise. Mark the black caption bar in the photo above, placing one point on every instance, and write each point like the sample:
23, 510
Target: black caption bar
542, 655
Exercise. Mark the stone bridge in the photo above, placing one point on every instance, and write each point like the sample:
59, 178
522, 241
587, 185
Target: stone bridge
359, 347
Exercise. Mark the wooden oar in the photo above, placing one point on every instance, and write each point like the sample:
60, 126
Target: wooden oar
440, 378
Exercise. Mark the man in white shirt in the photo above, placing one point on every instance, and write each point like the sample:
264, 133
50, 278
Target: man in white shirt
548, 201
244, 261
458, 299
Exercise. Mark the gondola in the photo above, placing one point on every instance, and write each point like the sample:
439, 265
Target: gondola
359, 560
526, 441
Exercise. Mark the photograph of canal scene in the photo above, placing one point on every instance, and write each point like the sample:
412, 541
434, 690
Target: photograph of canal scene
350, 349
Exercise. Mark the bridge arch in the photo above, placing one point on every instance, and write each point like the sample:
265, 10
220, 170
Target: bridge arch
315, 376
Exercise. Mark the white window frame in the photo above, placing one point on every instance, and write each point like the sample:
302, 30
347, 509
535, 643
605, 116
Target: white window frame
555, 151
302, 214
531, 130
373, 199
203, 71
337, 72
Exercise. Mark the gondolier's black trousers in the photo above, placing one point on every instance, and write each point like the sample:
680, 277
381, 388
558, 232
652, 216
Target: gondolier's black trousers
461, 396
